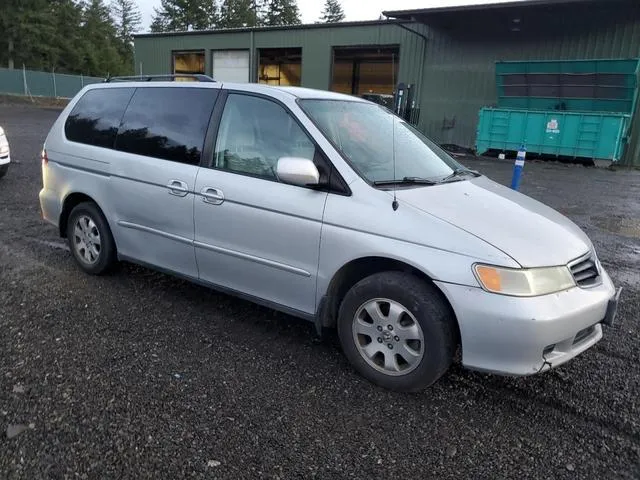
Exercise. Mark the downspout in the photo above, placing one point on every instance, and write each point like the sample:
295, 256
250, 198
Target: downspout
421, 76
404, 27
253, 77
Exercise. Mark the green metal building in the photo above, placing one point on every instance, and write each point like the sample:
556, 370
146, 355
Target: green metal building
446, 55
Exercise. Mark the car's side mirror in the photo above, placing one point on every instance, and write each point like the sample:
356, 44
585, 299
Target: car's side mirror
297, 171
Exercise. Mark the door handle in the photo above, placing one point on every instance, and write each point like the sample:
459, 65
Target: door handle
212, 195
178, 188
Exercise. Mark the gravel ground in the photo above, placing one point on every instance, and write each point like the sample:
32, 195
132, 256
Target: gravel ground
141, 375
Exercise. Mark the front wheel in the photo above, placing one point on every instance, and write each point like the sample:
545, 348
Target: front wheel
3, 170
397, 331
90, 239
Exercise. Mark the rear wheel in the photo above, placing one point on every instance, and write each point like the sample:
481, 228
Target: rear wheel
90, 239
397, 331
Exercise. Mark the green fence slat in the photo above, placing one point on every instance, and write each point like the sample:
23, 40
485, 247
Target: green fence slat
42, 84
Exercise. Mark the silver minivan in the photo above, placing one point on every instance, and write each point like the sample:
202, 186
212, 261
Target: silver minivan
329, 208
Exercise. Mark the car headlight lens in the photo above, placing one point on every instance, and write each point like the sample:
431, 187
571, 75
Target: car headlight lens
4, 149
523, 282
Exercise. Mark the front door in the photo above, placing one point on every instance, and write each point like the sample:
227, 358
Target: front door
158, 150
254, 234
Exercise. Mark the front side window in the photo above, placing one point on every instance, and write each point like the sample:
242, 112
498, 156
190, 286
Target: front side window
94, 120
169, 123
254, 133
370, 136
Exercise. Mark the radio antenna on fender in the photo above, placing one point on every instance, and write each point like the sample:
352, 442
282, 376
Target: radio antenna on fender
395, 203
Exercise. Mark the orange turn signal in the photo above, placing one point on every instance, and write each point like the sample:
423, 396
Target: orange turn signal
489, 277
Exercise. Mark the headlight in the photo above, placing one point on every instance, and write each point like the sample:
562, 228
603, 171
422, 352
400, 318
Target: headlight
4, 149
524, 282
1, 131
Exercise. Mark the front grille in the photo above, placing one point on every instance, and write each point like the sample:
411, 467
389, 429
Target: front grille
585, 272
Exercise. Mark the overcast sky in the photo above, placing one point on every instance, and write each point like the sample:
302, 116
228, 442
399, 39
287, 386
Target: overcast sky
354, 9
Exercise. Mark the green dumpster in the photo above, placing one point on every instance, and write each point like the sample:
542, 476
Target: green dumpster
573, 134
579, 109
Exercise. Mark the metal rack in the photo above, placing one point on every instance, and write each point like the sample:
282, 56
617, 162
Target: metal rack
150, 78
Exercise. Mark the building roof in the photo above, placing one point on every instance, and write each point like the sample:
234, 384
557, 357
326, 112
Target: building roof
465, 15
426, 14
273, 28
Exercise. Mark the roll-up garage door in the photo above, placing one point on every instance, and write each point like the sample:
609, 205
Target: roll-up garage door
231, 66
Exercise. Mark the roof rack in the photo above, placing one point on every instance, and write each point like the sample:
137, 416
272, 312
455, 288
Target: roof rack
148, 78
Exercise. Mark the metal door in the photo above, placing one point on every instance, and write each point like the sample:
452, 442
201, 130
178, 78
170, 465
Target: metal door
154, 169
253, 234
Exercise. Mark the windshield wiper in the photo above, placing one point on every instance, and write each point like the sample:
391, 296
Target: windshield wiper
406, 181
458, 172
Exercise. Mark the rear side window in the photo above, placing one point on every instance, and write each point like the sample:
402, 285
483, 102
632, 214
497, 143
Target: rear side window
95, 118
167, 123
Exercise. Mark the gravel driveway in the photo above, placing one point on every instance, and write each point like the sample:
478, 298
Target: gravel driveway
140, 375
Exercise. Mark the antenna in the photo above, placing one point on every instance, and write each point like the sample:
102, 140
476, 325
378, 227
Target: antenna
394, 204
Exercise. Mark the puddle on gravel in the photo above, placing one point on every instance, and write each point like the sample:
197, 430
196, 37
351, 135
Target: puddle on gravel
618, 225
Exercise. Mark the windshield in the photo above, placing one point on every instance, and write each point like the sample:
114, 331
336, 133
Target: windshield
365, 134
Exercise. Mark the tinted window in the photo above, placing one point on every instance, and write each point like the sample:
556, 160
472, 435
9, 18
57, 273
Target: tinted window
167, 123
96, 117
254, 133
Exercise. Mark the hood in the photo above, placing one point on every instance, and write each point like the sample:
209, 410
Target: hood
531, 233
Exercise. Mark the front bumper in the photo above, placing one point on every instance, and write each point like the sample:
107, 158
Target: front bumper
523, 336
5, 159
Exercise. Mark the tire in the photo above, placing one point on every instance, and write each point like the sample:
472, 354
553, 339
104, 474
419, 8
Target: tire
3, 170
423, 331
92, 244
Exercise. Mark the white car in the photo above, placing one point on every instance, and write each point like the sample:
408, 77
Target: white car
5, 156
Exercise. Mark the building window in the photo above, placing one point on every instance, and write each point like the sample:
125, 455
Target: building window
280, 66
188, 62
362, 71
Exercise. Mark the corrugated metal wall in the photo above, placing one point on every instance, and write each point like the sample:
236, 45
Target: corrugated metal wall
460, 62
153, 54
456, 64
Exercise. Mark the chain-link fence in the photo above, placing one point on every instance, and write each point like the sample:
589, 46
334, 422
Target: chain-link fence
42, 84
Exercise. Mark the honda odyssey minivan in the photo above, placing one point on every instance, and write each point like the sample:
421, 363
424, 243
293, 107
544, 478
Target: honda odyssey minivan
329, 208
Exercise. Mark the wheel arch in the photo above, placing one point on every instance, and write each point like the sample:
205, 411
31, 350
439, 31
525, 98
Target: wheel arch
358, 269
69, 203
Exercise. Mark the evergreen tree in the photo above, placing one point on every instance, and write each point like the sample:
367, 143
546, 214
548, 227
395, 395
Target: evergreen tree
101, 52
332, 12
241, 13
282, 12
66, 36
27, 28
127, 21
127, 18
185, 15
67, 43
